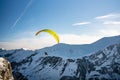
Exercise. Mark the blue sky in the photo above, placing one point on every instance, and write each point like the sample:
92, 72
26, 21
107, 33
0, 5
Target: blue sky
76, 21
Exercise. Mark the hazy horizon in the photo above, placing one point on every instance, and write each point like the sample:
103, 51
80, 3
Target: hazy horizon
75, 21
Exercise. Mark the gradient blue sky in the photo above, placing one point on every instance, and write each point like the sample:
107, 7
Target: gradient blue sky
73, 20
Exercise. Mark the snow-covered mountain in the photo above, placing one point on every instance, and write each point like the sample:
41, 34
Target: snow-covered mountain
77, 51
66, 62
71, 51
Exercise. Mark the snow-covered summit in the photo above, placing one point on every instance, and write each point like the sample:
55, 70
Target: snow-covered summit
101, 65
71, 51
64, 62
77, 51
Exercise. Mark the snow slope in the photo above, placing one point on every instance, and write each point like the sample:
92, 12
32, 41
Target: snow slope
77, 51
69, 51
101, 65
68, 62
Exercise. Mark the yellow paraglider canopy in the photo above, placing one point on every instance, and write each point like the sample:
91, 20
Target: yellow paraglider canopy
51, 32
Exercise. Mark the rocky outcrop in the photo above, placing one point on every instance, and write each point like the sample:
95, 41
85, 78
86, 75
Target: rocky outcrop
5, 70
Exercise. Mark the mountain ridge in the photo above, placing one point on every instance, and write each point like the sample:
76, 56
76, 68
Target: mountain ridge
54, 63
101, 65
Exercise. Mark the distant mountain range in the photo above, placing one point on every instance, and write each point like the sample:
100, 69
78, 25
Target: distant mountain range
97, 61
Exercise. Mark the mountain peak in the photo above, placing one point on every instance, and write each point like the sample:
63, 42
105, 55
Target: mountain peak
63, 61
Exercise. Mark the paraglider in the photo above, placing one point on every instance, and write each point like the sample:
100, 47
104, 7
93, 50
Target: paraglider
51, 32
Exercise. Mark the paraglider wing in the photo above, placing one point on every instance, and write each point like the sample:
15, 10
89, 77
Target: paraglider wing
51, 32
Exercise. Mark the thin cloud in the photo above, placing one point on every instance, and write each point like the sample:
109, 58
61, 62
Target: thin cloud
109, 32
108, 16
112, 22
105, 16
109, 19
78, 39
81, 23
17, 20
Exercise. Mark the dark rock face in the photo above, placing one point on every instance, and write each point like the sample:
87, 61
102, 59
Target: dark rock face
19, 76
69, 78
